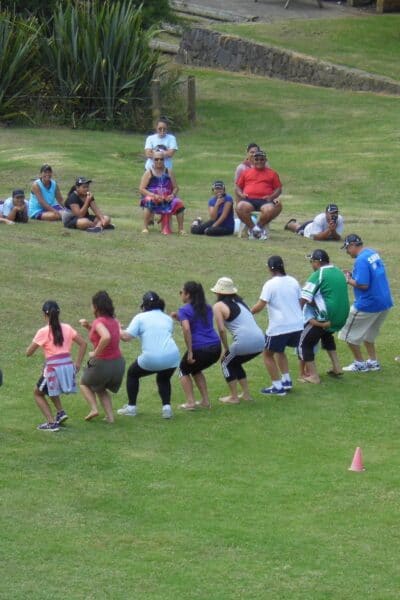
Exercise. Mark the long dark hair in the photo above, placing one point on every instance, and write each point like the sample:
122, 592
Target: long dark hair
52, 310
234, 297
103, 304
197, 298
73, 189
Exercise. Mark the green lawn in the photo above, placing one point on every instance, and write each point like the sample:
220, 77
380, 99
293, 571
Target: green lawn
369, 43
253, 501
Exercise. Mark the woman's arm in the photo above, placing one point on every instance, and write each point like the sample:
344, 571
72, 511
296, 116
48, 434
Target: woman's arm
221, 312
258, 307
105, 337
144, 182
78, 339
31, 349
80, 211
58, 195
187, 336
125, 336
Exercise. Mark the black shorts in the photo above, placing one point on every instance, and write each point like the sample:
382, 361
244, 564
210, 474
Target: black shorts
278, 343
204, 358
71, 220
257, 204
310, 338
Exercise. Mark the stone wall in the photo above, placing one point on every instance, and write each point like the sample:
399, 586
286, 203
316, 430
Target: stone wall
205, 48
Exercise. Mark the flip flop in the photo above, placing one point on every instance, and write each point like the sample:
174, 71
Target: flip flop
333, 373
201, 405
228, 400
91, 416
306, 380
187, 406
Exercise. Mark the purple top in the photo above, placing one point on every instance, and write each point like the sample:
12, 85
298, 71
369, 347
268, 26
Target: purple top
203, 334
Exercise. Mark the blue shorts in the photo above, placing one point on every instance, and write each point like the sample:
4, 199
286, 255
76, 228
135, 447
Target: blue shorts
278, 343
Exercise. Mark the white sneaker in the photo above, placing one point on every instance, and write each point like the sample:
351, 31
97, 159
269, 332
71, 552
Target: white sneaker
356, 367
257, 232
127, 410
264, 235
167, 411
373, 365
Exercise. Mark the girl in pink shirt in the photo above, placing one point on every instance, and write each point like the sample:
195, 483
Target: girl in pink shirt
59, 371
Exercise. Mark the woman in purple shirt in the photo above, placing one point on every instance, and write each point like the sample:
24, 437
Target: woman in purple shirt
202, 343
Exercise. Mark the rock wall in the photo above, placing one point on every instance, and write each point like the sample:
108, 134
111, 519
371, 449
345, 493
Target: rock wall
205, 48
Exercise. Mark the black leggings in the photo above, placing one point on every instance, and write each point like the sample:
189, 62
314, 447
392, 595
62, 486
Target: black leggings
232, 365
215, 231
163, 382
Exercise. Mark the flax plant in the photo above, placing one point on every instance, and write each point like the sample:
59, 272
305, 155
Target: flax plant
18, 55
99, 62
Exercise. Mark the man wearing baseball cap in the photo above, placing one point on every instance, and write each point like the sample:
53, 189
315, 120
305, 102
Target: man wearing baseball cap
326, 306
325, 226
372, 302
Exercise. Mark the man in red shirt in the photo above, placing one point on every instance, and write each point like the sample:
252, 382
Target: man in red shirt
258, 189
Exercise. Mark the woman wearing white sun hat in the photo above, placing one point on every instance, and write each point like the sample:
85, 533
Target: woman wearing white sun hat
232, 314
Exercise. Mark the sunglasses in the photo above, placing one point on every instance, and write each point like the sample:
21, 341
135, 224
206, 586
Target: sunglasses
158, 160
259, 159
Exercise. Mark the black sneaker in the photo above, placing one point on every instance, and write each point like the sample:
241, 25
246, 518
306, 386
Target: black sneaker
48, 427
110, 227
61, 416
94, 229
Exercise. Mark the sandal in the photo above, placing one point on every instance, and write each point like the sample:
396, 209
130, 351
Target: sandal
201, 405
187, 406
333, 373
145, 230
91, 415
288, 223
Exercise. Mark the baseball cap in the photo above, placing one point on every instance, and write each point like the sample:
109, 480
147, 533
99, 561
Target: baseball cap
82, 181
319, 255
18, 192
332, 208
352, 238
218, 184
261, 154
275, 263
148, 300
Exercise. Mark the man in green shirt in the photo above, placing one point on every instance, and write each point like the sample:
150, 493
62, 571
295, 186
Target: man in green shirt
326, 306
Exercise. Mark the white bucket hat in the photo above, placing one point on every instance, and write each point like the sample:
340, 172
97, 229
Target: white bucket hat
224, 285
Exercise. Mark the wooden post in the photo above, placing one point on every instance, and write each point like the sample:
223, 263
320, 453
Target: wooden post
191, 99
155, 99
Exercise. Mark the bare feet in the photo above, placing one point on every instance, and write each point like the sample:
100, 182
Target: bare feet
91, 415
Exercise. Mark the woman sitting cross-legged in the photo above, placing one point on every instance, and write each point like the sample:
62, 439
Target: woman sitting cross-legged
160, 354
220, 209
231, 313
159, 188
82, 211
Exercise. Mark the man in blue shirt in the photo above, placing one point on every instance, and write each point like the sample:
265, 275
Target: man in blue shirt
372, 301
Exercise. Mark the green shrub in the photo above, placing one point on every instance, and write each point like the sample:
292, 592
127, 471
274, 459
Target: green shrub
98, 64
18, 56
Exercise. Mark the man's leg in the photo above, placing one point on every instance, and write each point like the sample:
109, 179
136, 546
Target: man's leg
268, 212
243, 211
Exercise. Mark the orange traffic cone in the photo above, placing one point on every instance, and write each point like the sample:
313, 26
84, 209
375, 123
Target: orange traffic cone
166, 224
357, 464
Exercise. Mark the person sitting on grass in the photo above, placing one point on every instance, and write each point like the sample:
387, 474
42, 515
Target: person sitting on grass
45, 201
58, 376
15, 208
79, 206
325, 226
159, 190
220, 209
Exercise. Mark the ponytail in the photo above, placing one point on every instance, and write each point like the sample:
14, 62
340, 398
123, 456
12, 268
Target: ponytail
52, 310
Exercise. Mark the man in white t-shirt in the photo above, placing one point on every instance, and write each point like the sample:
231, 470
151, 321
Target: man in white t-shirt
281, 296
325, 226
160, 141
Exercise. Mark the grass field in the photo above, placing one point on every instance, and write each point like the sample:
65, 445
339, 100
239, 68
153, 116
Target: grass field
251, 501
370, 43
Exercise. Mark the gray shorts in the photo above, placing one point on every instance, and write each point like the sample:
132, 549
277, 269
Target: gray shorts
362, 326
102, 374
